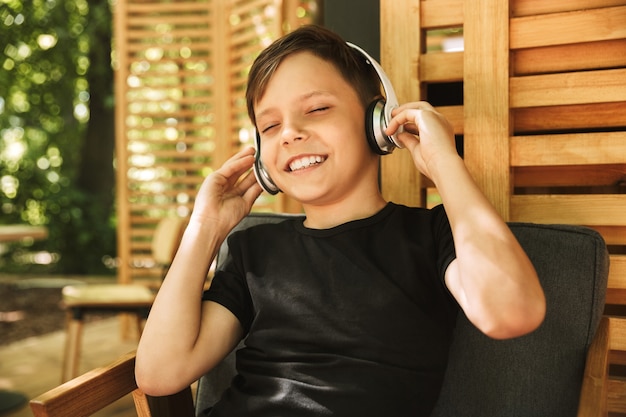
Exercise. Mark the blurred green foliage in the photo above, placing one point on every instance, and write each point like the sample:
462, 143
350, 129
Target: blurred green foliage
46, 98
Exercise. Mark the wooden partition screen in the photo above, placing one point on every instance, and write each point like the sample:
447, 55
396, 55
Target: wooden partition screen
537, 98
181, 69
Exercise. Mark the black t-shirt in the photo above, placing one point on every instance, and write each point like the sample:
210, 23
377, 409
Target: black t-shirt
349, 321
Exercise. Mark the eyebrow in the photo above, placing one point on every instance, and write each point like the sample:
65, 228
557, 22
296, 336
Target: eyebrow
302, 98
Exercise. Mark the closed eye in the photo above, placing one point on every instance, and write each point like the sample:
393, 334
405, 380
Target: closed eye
319, 109
268, 128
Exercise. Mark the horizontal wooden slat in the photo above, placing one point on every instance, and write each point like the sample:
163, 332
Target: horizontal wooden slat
181, 88
175, 33
172, 80
242, 38
146, 223
570, 176
181, 113
455, 116
533, 7
170, 193
173, 153
616, 297
613, 235
569, 149
433, 18
137, 208
596, 209
137, 21
141, 104
240, 7
601, 86
441, 67
616, 397
194, 49
586, 25
571, 117
157, 71
192, 181
149, 7
566, 58
617, 330
139, 57
188, 139
617, 272
203, 47
244, 53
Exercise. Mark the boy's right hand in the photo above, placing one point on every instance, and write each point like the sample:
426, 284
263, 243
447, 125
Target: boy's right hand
227, 194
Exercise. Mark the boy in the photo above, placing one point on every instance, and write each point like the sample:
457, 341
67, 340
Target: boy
349, 312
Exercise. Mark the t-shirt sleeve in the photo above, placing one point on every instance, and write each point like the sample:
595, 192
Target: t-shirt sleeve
443, 240
229, 288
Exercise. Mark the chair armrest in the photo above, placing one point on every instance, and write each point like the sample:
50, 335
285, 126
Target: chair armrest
96, 389
593, 394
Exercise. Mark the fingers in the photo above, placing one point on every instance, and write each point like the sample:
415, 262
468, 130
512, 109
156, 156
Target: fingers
228, 193
252, 189
417, 117
405, 117
408, 113
237, 164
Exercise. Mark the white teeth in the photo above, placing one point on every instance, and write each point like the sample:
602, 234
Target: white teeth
305, 162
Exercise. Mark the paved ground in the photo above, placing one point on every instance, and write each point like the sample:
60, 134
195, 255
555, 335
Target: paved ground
33, 366
30, 306
32, 338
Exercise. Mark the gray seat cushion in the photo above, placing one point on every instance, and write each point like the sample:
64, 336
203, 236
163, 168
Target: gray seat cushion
539, 374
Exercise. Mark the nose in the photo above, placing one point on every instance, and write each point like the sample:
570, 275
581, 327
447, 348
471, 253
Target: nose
292, 132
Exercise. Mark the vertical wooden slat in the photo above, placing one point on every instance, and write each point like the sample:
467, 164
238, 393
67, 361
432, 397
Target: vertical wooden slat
401, 181
221, 63
486, 98
120, 77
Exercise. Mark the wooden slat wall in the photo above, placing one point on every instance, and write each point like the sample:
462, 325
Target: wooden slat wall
543, 112
542, 115
568, 62
181, 70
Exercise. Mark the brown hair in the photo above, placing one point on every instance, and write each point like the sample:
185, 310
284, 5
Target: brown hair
323, 43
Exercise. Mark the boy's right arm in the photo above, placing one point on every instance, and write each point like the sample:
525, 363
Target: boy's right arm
184, 337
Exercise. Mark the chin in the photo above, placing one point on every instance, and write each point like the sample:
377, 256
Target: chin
307, 194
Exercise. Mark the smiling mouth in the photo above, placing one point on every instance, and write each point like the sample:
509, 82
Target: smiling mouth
305, 162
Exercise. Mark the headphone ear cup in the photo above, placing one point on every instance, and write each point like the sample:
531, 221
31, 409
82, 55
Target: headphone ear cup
375, 126
262, 177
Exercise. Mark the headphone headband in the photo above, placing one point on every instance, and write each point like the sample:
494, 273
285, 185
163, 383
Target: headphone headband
391, 101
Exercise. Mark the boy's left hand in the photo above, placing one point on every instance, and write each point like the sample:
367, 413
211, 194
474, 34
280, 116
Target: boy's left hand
427, 135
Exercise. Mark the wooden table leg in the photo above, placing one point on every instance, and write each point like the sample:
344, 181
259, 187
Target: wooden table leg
71, 358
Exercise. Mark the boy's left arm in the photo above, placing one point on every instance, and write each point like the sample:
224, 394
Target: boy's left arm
492, 279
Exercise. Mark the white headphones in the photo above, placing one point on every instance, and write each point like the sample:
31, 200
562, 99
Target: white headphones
377, 118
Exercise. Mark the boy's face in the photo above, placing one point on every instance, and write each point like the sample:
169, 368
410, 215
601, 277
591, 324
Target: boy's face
312, 128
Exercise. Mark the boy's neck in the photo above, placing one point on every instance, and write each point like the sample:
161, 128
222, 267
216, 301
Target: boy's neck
327, 216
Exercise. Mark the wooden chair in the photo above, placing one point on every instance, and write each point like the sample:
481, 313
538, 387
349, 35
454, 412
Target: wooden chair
559, 370
136, 299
